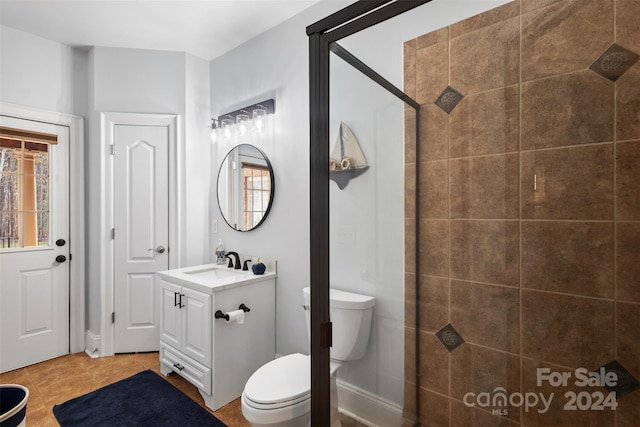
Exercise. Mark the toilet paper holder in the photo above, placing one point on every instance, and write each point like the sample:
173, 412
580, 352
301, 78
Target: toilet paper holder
221, 315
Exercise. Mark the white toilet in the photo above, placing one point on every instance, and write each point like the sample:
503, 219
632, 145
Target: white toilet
279, 393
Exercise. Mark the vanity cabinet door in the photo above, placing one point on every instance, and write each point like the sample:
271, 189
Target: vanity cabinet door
171, 314
197, 338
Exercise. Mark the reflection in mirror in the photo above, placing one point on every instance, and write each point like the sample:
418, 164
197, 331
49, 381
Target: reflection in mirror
245, 187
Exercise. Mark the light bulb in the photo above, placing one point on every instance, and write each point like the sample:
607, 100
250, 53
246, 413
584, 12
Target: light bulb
214, 131
259, 116
226, 128
242, 122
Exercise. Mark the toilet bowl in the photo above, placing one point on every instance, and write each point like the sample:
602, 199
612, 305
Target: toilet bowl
279, 392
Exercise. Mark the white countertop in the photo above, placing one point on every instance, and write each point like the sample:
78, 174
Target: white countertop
211, 278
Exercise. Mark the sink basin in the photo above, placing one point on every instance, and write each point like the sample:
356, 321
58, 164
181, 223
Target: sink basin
212, 273
213, 277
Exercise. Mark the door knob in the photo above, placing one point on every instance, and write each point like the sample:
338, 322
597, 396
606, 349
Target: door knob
61, 258
60, 242
160, 249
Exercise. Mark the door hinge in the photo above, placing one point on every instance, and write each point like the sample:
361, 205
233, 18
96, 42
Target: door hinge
113, 233
70, 257
113, 317
113, 149
326, 335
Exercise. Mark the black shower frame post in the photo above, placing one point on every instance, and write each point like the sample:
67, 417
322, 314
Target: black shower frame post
323, 36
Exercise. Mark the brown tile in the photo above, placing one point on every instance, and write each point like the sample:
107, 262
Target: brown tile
476, 369
486, 315
628, 180
410, 190
409, 300
486, 59
555, 39
485, 251
345, 421
485, 19
434, 133
557, 414
432, 72
485, 187
529, 5
568, 183
628, 410
434, 189
409, 354
410, 69
434, 37
568, 257
434, 248
433, 302
409, 135
614, 62
570, 109
486, 123
409, 245
409, 411
567, 330
628, 105
434, 409
628, 24
463, 415
434, 364
628, 261
628, 337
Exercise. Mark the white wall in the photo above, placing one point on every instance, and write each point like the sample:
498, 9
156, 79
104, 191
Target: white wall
40, 73
367, 232
148, 81
275, 65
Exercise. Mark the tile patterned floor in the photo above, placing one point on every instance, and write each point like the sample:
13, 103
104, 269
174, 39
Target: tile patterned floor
58, 380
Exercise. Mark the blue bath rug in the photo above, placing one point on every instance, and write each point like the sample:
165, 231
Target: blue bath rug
145, 399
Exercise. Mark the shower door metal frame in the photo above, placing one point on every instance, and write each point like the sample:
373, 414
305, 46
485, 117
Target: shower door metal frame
323, 37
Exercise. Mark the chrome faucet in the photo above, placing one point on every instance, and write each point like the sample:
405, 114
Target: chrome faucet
236, 264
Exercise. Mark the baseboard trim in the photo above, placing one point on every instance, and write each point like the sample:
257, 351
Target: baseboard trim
92, 344
366, 407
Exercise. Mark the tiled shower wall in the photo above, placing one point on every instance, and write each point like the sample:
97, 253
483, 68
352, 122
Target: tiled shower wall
529, 214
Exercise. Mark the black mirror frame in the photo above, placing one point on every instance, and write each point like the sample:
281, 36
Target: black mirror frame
271, 193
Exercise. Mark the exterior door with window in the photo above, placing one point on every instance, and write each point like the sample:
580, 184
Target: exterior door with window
34, 242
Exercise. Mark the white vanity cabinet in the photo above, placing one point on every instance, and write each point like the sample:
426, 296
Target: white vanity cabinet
185, 330
216, 356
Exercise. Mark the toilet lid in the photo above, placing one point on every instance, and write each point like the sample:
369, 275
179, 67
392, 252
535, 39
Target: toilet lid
285, 380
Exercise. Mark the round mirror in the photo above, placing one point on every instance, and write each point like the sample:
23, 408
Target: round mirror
245, 187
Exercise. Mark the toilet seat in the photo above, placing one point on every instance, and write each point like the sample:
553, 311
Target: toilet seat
282, 382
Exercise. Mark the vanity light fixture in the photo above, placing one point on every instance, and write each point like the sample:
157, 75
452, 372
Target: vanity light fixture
242, 120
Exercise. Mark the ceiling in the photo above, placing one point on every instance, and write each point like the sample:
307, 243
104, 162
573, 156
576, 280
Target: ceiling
204, 28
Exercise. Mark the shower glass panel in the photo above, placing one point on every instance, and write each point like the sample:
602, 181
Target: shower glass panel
367, 210
525, 237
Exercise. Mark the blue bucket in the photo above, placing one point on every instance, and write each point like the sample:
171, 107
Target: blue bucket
13, 405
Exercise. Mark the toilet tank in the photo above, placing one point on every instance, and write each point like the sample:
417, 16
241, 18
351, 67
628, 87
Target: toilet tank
351, 315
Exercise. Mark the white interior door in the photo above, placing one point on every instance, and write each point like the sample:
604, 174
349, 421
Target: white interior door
141, 233
34, 245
